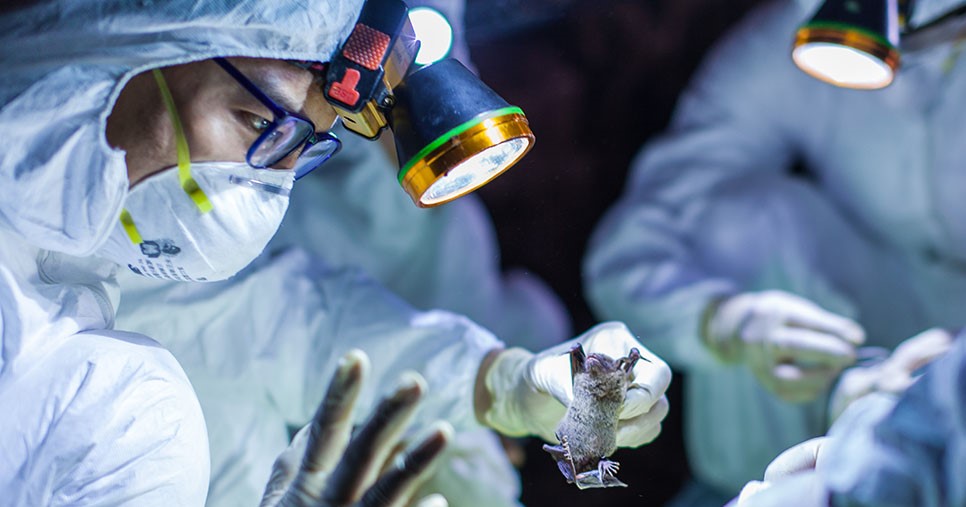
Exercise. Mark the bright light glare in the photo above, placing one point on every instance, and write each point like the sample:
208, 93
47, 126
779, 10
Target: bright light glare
434, 33
476, 171
842, 65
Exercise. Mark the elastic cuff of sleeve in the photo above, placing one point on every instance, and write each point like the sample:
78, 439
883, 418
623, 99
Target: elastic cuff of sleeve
504, 381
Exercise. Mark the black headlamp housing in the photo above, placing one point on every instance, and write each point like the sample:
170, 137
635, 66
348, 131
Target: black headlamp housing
453, 134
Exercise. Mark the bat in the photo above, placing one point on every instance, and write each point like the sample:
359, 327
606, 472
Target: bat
588, 431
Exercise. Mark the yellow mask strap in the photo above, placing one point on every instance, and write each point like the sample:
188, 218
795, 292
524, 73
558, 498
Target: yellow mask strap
130, 228
188, 183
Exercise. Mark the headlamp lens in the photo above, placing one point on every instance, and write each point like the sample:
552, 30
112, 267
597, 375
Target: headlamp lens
842, 65
476, 171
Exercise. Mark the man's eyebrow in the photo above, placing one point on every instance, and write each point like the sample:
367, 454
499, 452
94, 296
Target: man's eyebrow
276, 89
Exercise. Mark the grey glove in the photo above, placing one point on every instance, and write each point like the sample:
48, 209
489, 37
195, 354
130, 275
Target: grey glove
323, 468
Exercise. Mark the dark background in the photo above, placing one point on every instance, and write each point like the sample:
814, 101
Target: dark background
597, 79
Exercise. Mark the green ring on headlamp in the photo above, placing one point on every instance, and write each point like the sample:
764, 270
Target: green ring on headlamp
453, 133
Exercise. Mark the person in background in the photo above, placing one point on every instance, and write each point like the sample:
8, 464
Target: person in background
762, 282
883, 450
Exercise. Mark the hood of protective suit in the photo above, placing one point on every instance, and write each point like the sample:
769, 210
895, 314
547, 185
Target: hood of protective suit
923, 11
66, 61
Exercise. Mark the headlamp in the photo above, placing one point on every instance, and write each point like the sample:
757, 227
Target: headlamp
453, 134
851, 43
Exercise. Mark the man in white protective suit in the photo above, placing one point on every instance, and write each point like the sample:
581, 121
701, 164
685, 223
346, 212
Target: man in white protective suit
133, 141
351, 214
763, 285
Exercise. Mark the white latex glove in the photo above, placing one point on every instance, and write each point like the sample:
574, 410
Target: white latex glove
529, 392
795, 348
795, 459
799, 459
800, 490
323, 468
892, 375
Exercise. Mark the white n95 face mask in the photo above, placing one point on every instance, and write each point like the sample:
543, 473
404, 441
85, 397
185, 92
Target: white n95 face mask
166, 232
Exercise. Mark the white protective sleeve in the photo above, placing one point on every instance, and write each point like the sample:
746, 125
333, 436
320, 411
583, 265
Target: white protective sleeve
914, 454
887, 452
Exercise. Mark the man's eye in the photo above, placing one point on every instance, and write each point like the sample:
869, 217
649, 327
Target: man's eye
257, 123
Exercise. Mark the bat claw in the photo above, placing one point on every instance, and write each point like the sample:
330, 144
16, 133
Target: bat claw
607, 467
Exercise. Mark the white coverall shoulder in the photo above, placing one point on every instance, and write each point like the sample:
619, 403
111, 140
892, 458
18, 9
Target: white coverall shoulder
94, 416
118, 421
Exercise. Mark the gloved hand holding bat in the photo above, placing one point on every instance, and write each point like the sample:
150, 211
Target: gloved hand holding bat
521, 393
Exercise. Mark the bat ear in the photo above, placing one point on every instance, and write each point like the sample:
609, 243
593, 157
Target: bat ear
627, 363
577, 359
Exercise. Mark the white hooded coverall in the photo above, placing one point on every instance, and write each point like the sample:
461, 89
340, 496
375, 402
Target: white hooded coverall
91, 415
877, 233
351, 214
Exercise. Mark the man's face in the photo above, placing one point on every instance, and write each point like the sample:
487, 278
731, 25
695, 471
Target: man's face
221, 118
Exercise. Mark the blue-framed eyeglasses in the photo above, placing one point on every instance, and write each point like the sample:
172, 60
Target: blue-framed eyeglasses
285, 134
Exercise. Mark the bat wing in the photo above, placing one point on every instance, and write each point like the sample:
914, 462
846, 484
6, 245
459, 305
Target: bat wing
561, 454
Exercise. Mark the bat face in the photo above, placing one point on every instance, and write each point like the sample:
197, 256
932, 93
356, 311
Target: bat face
588, 431
597, 376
